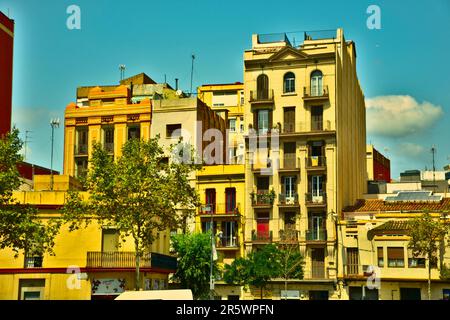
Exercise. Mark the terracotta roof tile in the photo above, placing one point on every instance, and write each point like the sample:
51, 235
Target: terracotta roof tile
381, 205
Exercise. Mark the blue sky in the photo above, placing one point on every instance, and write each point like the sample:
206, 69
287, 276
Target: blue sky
403, 67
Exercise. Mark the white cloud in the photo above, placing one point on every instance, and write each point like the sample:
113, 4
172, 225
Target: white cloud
399, 116
408, 149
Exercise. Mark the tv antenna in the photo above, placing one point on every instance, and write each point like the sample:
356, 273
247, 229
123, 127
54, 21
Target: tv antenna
192, 70
122, 71
25, 144
433, 152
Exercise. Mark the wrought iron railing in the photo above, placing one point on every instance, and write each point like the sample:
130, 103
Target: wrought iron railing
265, 236
318, 197
316, 235
116, 259
262, 198
315, 92
220, 208
261, 95
316, 161
290, 199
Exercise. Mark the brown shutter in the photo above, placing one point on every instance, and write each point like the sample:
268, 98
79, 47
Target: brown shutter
396, 253
255, 120
270, 119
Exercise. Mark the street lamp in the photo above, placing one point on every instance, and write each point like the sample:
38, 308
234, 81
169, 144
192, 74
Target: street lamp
54, 123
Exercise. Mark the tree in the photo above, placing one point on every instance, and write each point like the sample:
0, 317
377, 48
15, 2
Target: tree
291, 262
20, 226
194, 262
138, 195
426, 236
257, 269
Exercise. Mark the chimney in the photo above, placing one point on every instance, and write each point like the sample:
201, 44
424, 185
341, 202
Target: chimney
176, 83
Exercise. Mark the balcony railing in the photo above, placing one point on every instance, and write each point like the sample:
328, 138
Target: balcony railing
290, 162
261, 96
228, 242
219, 208
115, 259
33, 262
313, 162
315, 92
284, 199
289, 235
263, 236
316, 273
109, 147
316, 235
262, 198
81, 150
316, 198
304, 126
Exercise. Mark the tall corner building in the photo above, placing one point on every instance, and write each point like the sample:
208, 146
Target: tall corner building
307, 99
6, 72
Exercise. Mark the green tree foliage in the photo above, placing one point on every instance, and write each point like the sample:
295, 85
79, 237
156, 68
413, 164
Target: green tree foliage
20, 226
194, 262
138, 194
260, 266
427, 235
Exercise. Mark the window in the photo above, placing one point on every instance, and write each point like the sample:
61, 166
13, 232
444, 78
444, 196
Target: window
263, 121
262, 85
134, 132
31, 289
415, 262
81, 167
317, 118
108, 139
396, 257
380, 257
110, 240
289, 82
232, 125
242, 98
33, 261
241, 124
82, 141
173, 130
263, 183
316, 83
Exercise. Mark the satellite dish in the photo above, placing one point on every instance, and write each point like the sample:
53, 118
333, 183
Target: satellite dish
179, 92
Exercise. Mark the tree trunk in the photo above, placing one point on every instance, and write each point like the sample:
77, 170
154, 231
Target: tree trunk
429, 279
137, 285
261, 292
285, 286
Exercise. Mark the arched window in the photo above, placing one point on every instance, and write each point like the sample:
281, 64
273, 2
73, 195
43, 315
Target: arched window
316, 83
262, 87
289, 82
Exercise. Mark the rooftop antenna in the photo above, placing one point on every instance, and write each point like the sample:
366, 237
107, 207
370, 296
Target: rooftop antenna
192, 70
54, 123
122, 71
25, 144
433, 152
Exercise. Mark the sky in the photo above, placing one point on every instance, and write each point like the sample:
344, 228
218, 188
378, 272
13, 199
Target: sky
403, 67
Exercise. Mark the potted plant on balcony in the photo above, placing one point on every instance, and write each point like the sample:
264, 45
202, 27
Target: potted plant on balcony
271, 196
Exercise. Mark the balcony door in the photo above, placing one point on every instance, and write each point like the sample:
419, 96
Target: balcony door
262, 84
262, 225
318, 263
352, 261
316, 83
289, 155
229, 234
317, 188
210, 200
230, 198
289, 188
289, 119
317, 226
110, 240
317, 118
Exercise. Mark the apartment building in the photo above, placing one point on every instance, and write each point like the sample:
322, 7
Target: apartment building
228, 98
378, 166
305, 147
374, 257
6, 72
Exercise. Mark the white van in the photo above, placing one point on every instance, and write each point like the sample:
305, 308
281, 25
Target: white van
178, 294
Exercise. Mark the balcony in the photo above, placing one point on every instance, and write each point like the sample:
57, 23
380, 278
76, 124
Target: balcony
289, 236
81, 150
220, 209
228, 243
261, 236
287, 200
317, 127
318, 198
109, 147
316, 235
356, 270
316, 163
315, 93
261, 96
127, 260
262, 198
289, 163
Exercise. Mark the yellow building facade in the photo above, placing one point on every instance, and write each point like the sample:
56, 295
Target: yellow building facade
375, 262
305, 149
87, 263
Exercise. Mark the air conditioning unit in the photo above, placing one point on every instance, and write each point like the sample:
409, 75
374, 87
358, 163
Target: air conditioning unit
317, 199
290, 200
